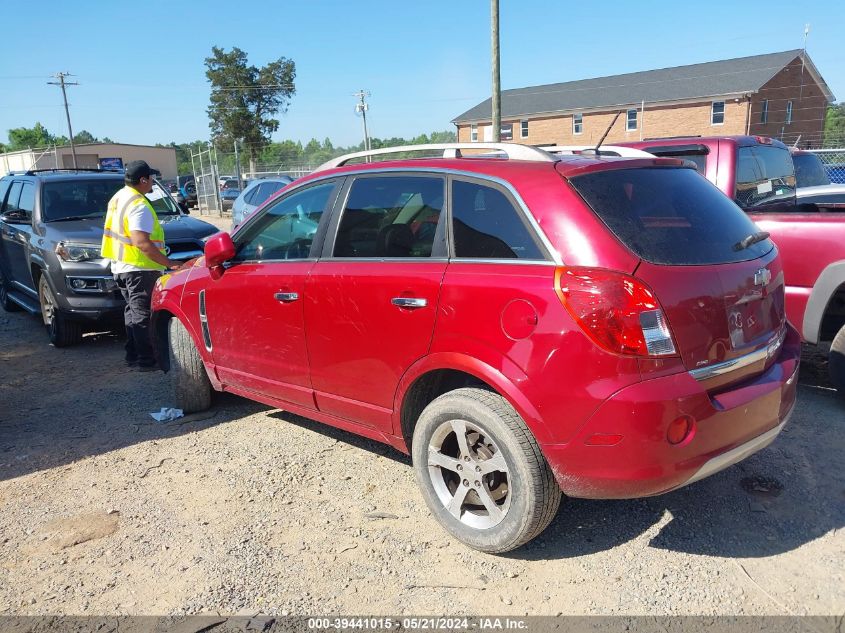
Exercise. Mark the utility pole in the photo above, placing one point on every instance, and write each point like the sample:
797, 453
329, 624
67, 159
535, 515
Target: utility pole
361, 108
497, 86
63, 83
238, 165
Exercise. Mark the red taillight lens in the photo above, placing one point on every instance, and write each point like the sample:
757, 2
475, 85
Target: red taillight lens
617, 311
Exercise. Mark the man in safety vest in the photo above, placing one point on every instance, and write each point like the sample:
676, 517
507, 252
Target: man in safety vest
134, 242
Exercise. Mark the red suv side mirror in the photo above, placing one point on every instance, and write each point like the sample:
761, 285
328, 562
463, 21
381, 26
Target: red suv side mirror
219, 248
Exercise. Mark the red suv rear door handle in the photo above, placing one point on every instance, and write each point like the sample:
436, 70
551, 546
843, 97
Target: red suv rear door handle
286, 297
409, 302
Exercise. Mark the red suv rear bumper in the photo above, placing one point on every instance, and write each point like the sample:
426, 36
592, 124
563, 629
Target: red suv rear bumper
729, 426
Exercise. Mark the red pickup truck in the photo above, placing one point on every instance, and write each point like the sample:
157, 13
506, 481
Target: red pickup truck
758, 174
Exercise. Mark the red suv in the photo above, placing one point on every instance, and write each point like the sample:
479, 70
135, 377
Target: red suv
522, 326
759, 175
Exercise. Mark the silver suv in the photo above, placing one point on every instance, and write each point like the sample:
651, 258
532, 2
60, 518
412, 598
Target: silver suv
51, 226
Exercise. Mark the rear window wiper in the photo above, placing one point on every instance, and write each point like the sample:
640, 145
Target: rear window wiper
747, 241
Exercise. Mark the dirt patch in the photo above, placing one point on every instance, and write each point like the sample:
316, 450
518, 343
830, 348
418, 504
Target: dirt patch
66, 532
248, 509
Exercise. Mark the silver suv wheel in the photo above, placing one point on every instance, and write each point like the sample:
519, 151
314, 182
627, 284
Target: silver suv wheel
481, 471
469, 474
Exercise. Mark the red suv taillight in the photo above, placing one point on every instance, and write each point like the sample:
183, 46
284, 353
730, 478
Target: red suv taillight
618, 312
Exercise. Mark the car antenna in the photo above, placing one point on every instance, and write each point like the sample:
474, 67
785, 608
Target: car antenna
606, 132
795, 144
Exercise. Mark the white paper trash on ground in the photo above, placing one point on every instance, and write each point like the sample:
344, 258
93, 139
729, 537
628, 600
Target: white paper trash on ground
167, 414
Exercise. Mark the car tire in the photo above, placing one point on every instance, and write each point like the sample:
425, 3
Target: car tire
63, 331
494, 507
191, 387
7, 304
836, 362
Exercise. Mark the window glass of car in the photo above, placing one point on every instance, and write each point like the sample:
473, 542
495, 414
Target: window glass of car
809, 171
5, 184
670, 215
390, 216
487, 225
287, 228
27, 201
77, 198
696, 158
265, 190
162, 203
249, 196
764, 174
14, 197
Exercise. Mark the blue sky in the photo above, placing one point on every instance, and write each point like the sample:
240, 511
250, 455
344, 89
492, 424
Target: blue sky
142, 75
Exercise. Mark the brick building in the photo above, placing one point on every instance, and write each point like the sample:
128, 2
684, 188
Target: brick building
779, 95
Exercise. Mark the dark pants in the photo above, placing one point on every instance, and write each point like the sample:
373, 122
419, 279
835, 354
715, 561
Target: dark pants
137, 289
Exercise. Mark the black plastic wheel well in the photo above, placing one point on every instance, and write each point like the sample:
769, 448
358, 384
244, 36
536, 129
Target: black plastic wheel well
428, 387
160, 322
834, 315
36, 272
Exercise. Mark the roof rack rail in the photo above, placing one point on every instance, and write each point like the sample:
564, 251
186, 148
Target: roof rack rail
513, 151
31, 172
590, 150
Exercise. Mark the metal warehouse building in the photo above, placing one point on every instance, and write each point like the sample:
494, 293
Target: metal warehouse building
91, 155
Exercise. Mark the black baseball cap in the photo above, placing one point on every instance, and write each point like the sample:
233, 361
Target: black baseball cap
138, 169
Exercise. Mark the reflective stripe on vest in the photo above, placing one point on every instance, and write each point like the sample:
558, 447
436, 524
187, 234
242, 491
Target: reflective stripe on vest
117, 243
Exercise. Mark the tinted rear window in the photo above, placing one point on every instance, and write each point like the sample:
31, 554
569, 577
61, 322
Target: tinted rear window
764, 174
670, 215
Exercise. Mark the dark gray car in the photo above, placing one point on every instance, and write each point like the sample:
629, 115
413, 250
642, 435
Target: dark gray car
51, 226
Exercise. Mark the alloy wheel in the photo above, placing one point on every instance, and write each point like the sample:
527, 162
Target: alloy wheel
48, 304
469, 474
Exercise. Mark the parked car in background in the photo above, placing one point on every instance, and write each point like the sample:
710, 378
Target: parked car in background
51, 224
808, 225
605, 327
228, 197
816, 193
809, 169
254, 195
188, 189
231, 183
173, 189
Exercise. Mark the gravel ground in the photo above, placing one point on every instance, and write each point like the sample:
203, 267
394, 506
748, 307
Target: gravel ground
246, 509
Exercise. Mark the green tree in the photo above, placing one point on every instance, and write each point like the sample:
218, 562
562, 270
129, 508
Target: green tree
244, 99
447, 136
24, 138
84, 137
834, 125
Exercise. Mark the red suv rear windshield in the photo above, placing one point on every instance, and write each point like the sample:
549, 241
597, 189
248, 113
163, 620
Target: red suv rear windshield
670, 215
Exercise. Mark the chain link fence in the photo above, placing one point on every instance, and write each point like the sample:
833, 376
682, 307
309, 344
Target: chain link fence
268, 171
204, 167
834, 162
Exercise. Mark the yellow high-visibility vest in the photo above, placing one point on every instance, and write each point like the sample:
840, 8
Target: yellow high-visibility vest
117, 243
